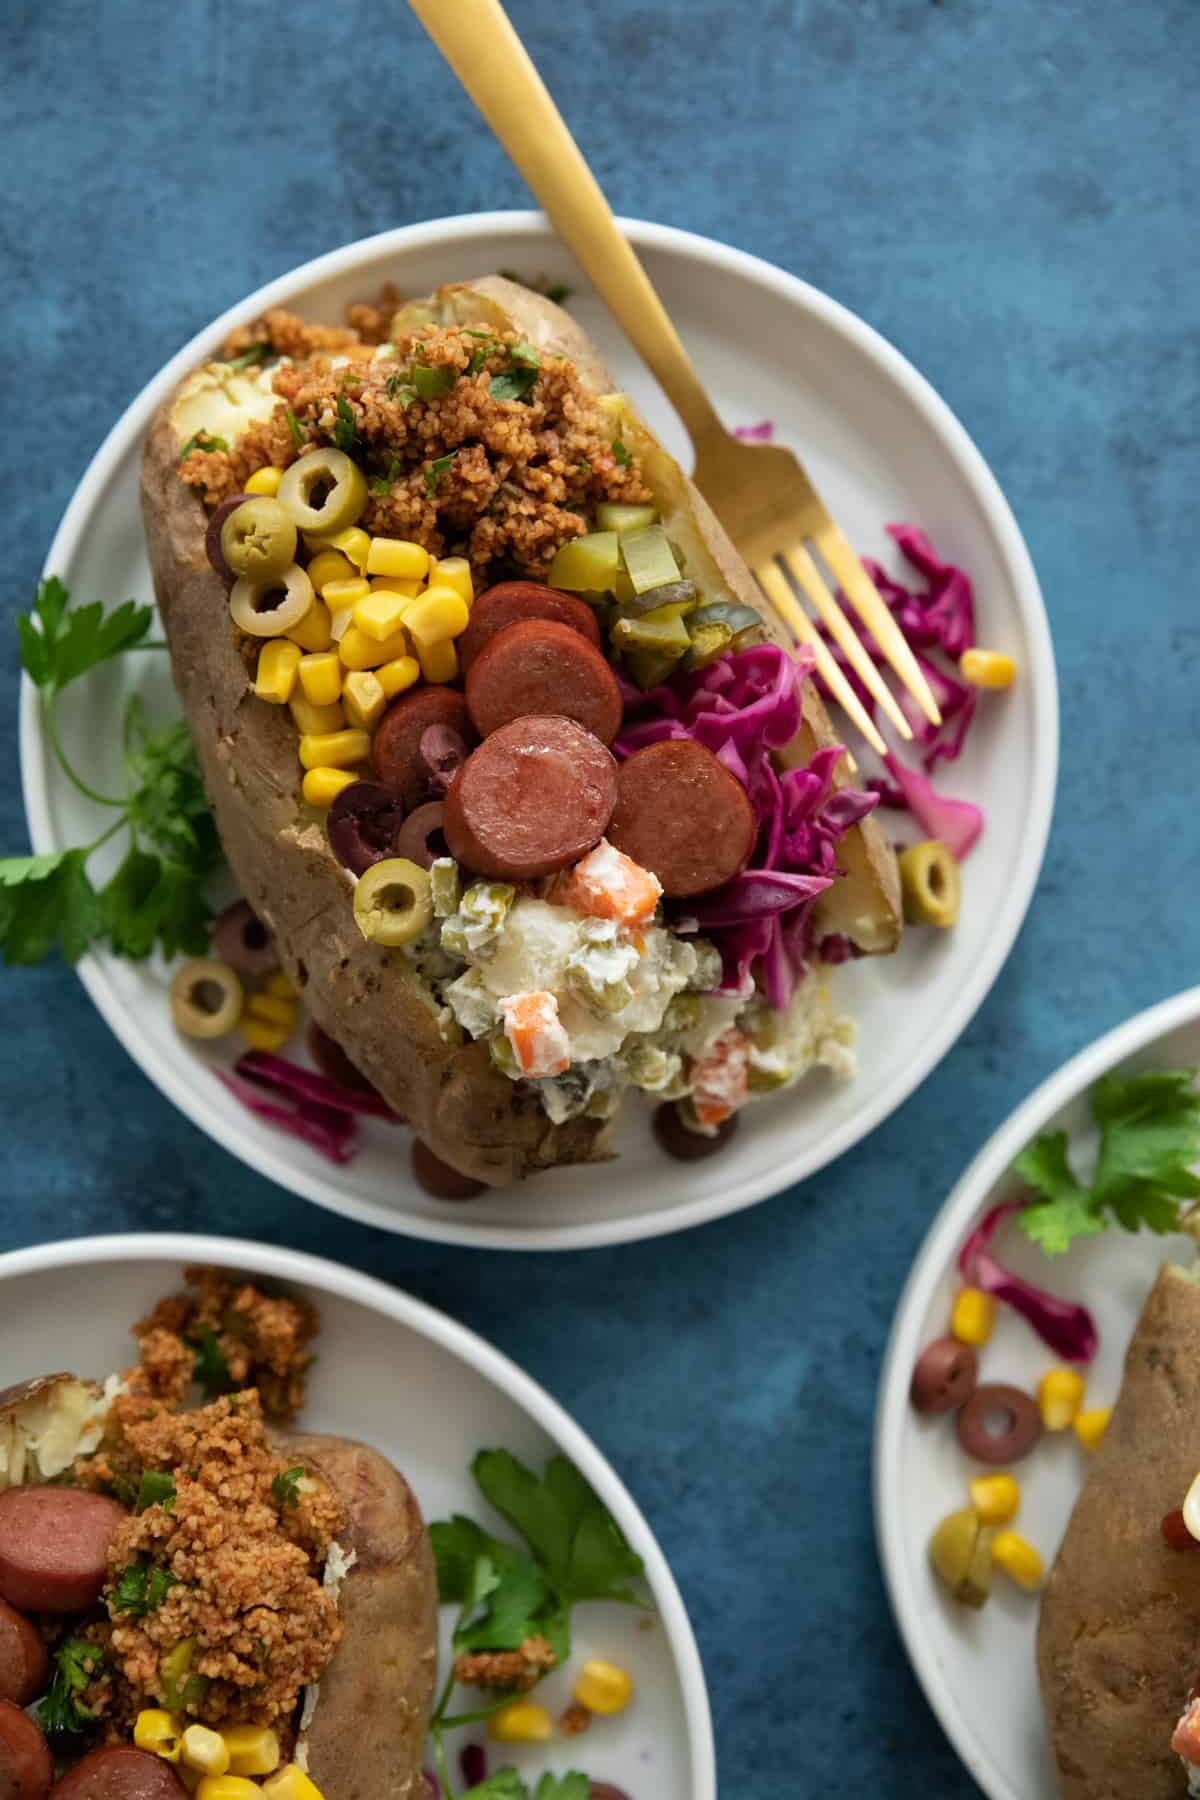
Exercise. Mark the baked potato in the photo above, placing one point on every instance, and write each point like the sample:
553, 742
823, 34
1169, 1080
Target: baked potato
1120, 1615
371, 1001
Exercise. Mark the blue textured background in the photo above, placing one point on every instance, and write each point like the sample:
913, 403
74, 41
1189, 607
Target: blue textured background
1007, 190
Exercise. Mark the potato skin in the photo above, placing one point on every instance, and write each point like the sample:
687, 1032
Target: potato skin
366, 1740
1119, 1634
469, 1114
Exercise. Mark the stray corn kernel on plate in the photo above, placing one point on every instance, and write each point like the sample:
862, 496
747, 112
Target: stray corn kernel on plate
244, 1587
357, 610
1059, 1662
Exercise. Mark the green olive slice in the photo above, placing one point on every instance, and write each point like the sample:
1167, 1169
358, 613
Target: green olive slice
930, 884
323, 490
393, 902
271, 607
258, 539
206, 998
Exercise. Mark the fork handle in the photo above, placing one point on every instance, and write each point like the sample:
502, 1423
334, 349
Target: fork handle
480, 45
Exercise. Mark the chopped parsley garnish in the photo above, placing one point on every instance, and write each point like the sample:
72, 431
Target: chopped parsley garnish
256, 353
513, 384
621, 453
210, 1367
60, 1712
439, 467
400, 388
558, 292
156, 1488
294, 426
381, 485
481, 351
346, 427
202, 440
432, 383
521, 352
141, 1589
285, 1489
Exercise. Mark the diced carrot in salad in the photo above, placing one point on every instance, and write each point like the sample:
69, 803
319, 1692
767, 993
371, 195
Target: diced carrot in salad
607, 884
533, 1028
720, 1083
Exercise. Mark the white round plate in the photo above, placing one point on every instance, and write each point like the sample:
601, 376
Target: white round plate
978, 1669
881, 446
429, 1394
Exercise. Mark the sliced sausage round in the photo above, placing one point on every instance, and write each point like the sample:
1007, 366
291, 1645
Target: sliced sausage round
683, 816
534, 797
26, 1770
24, 1663
396, 749
54, 1547
542, 667
512, 602
119, 1772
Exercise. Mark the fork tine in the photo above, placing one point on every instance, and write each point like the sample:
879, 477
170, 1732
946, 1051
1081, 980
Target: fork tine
853, 579
771, 579
810, 578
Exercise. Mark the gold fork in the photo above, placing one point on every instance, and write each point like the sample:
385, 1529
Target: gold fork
760, 492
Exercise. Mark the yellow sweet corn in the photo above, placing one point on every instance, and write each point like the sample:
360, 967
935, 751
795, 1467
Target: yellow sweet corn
995, 1498
276, 1011
314, 632
987, 668
396, 556
313, 719
227, 1787
204, 1750
380, 614
279, 985
264, 481
520, 1723
275, 677
340, 623
321, 678
439, 662
340, 594
358, 651
256, 1034
395, 676
291, 1783
363, 698
392, 584
603, 1687
1018, 1558
454, 572
973, 1317
253, 1749
1091, 1426
321, 787
435, 616
334, 749
1059, 1396
353, 543
158, 1732
330, 565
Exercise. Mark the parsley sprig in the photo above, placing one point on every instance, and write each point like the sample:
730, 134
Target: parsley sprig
49, 902
141, 1588
574, 1551
60, 1712
1149, 1145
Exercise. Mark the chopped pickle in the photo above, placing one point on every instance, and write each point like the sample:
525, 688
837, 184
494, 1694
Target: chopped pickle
445, 886
650, 1066
682, 594
614, 515
504, 1056
708, 642
648, 668
587, 564
648, 558
662, 631
683, 1012
731, 613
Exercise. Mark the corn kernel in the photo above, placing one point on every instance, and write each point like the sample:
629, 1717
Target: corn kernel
321, 678
364, 698
1060, 1396
340, 594
314, 630
264, 481
1018, 1558
253, 1749
973, 1317
276, 1011
380, 614
395, 676
987, 668
256, 1034
313, 719
454, 572
1091, 1426
280, 985
334, 749
439, 662
291, 1783
520, 1723
158, 1732
227, 1787
436, 615
395, 556
353, 543
327, 566
602, 1687
275, 676
392, 584
358, 651
321, 787
995, 1498
340, 623
204, 1750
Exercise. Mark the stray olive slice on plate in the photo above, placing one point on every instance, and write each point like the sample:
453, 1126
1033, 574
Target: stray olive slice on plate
323, 491
240, 939
392, 902
960, 1551
929, 881
258, 538
206, 998
271, 607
